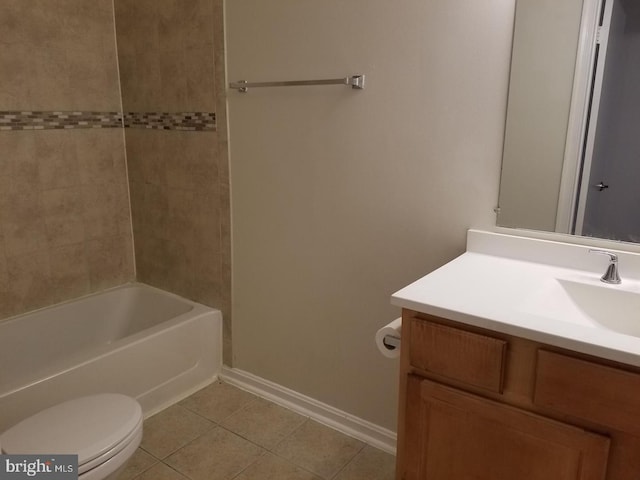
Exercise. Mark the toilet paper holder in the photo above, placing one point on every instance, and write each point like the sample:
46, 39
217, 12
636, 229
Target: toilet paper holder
391, 342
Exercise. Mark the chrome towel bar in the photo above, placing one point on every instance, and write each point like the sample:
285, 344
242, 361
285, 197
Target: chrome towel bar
354, 81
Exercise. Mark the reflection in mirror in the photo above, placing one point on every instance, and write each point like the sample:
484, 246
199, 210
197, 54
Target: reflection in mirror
572, 139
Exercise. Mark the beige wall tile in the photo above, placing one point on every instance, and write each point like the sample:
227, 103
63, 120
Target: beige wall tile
62, 201
147, 152
30, 280
227, 346
158, 39
199, 73
110, 261
191, 160
58, 55
22, 220
20, 204
18, 159
101, 156
106, 210
69, 271
56, 154
64, 230
176, 212
24, 237
64, 198
223, 175
150, 265
9, 302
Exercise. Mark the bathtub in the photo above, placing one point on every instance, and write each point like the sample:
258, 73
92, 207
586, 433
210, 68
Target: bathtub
134, 339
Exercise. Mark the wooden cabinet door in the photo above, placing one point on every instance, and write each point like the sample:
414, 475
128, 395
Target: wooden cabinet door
453, 435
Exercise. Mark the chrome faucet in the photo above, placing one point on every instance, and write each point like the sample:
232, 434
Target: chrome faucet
611, 275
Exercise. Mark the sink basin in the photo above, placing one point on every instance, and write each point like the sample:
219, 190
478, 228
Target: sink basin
588, 304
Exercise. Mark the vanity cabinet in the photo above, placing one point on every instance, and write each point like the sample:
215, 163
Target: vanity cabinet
477, 404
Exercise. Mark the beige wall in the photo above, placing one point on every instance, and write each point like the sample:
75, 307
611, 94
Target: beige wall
65, 227
171, 54
341, 197
544, 56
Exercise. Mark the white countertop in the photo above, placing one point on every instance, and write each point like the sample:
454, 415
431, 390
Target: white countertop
501, 284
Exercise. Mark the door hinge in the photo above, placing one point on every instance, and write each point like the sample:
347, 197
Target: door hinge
599, 35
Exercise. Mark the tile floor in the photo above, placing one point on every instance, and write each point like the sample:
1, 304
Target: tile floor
224, 433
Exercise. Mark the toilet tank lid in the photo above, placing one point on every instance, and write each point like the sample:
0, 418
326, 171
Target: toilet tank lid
87, 426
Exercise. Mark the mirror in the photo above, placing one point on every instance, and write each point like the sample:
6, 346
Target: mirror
571, 161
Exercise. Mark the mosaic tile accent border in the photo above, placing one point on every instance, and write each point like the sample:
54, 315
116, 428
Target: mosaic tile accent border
189, 121
59, 120
193, 121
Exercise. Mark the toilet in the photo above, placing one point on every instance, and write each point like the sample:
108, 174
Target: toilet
104, 430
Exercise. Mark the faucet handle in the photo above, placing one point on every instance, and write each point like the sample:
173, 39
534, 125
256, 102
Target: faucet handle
612, 256
611, 275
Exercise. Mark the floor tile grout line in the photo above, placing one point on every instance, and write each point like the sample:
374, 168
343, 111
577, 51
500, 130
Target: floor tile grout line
245, 406
263, 450
288, 460
219, 382
291, 462
349, 462
178, 471
252, 463
213, 426
307, 419
222, 382
149, 467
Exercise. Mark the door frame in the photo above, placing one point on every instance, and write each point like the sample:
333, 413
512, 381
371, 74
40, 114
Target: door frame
570, 199
593, 117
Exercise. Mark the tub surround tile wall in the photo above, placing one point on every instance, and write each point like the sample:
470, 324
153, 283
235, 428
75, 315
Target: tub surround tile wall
65, 227
58, 54
176, 213
166, 55
179, 180
64, 216
65, 213
224, 193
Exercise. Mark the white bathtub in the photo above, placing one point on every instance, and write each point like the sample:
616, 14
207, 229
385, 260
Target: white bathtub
135, 339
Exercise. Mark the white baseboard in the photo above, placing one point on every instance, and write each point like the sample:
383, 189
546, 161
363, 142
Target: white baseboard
353, 426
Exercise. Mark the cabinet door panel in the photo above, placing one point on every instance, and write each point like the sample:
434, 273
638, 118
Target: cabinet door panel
452, 435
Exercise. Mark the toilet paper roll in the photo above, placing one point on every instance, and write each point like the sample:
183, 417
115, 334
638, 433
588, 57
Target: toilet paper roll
394, 329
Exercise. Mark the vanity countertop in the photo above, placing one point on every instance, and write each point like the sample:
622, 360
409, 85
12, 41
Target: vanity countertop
542, 290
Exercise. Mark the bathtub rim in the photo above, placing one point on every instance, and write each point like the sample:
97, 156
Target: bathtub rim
84, 357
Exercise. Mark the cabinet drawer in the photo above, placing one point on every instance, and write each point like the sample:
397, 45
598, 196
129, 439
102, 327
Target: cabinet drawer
587, 390
463, 356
